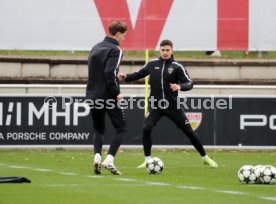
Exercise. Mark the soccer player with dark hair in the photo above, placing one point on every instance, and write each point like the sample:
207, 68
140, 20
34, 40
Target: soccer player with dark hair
103, 86
167, 77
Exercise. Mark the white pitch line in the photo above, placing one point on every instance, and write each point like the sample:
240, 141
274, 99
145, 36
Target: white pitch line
127, 184
68, 173
42, 170
97, 177
125, 179
61, 185
18, 167
231, 192
27, 167
268, 198
157, 184
192, 187
96, 185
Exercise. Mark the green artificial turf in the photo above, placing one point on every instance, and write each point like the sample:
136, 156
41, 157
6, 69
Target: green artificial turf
66, 176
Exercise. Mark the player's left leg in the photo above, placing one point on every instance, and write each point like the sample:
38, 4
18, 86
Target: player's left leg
117, 117
179, 118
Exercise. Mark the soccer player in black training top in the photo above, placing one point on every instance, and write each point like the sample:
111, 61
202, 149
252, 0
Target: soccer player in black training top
103, 92
167, 77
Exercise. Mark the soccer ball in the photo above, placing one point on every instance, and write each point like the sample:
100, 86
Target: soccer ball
257, 171
247, 174
268, 174
155, 165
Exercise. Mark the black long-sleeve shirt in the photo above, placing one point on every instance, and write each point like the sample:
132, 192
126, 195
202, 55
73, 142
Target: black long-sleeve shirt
103, 67
162, 73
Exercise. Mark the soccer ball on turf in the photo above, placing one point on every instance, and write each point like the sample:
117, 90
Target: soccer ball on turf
268, 174
247, 174
257, 171
155, 165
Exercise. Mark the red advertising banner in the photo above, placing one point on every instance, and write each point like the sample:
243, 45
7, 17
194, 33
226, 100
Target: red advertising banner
149, 24
233, 24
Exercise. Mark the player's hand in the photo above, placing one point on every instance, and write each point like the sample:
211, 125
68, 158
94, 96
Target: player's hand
175, 87
120, 97
122, 76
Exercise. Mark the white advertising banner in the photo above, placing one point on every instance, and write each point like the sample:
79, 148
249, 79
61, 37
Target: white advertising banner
262, 25
191, 25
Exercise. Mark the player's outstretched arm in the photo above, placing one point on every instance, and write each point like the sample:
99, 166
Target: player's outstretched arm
139, 74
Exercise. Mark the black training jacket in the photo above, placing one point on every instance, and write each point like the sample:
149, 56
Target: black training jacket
162, 73
103, 67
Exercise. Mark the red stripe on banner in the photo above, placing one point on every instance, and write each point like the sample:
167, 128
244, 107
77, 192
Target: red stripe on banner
233, 24
150, 21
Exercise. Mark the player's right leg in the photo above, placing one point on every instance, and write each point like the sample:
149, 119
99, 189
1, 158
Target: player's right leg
108, 164
207, 160
117, 118
178, 116
153, 117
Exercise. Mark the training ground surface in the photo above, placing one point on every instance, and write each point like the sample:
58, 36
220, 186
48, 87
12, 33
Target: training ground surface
66, 176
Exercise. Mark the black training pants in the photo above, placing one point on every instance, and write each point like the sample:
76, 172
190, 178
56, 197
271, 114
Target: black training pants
179, 118
117, 118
